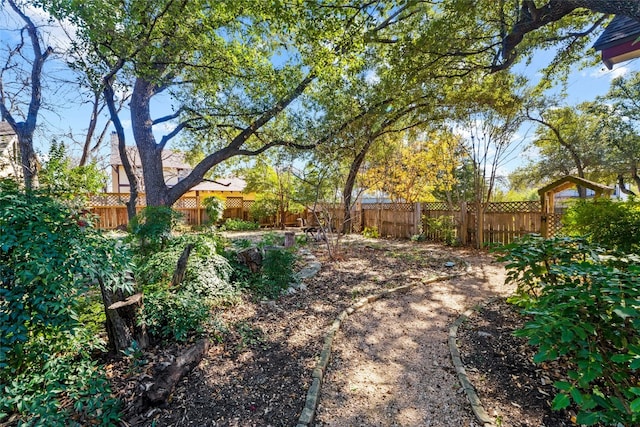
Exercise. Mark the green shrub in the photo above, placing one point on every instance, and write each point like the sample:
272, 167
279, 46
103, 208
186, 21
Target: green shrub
277, 272
207, 275
152, 227
174, 315
275, 275
271, 239
233, 224
418, 238
50, 257
371, 232
214, 207
611, 224
586, 312
530, 258
445, 228
64, 182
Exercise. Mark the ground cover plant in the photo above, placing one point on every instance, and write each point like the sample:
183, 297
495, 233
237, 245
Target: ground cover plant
234, 224
585, 305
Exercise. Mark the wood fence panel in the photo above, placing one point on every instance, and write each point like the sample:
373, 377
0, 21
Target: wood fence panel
503, 221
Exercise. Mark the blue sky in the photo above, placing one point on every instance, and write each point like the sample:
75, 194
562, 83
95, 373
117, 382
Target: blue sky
582, 85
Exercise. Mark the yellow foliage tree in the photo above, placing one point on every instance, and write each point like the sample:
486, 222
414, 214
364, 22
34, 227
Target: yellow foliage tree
408, 170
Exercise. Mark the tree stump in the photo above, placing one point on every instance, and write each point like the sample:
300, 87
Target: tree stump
289, 239
252, 258
181, 267
122, 327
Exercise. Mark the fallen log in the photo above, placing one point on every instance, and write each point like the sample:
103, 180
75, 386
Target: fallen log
169, 377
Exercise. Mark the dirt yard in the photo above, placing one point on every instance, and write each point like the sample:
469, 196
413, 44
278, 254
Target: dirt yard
390, 364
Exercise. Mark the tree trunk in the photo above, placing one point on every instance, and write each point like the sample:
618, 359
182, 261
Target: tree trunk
622, 187
167, 380
93, 121
350, 183
126, 163
30, 163
634, 174
149, 151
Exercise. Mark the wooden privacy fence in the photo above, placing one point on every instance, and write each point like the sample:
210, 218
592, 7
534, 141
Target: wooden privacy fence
112, 211
395, 220
502, 222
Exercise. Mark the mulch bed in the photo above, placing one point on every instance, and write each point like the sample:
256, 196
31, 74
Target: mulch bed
500, 366
262, 353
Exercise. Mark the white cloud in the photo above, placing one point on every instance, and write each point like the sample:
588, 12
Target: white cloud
618, 71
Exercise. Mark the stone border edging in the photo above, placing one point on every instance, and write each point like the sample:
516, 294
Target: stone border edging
470, 391
313, 394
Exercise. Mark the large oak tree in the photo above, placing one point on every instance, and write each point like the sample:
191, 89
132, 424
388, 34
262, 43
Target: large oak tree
230, 69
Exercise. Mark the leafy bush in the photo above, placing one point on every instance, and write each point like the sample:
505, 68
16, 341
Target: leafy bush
271, 239
586, 312
66, 182
275, 275
232, 224
50, 257
263, 208
530, 258
611, 224
174, 315
214, 208
418, 238
445, 227
207, 273
371, 232
152, 227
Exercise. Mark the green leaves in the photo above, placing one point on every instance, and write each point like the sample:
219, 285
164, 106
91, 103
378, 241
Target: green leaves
585, 312
48, 261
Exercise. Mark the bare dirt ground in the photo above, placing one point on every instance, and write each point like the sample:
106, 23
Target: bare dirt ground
390, 365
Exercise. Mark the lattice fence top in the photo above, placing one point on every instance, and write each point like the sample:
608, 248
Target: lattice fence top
114, 199
509, 207
246, 204
402, 207
493, 207
438, 206
186, 203
234, 202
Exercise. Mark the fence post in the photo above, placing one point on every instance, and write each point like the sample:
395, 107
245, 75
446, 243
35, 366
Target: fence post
464, 224
417, 221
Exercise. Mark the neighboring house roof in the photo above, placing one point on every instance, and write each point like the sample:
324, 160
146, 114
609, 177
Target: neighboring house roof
221, 184
6, 132
618, 41
170, 159
6, 129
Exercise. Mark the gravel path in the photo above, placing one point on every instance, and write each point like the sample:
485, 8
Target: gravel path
390, 364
